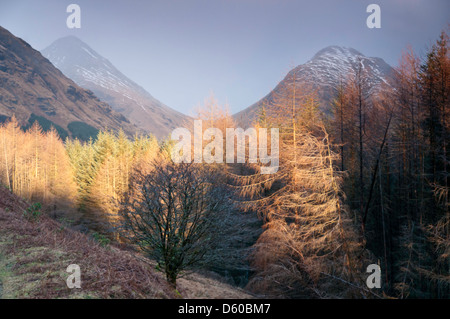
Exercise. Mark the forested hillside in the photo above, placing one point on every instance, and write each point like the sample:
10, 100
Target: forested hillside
34, 89
366, 184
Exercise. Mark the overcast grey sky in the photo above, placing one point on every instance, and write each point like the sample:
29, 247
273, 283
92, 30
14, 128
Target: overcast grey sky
180, 51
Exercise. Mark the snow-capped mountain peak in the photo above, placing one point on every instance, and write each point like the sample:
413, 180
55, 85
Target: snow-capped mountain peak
90, 70
333, 63
324, 71
86, 67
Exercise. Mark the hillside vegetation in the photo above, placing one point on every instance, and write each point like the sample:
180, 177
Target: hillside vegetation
366, 185
34, 255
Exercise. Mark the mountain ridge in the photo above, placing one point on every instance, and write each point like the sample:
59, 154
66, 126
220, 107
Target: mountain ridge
323, 73
31, 85
90, 70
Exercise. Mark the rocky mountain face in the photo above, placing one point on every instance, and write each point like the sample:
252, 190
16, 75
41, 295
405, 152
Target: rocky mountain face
32, 88
91, 71
323, 73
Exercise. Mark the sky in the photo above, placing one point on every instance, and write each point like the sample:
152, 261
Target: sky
181, 51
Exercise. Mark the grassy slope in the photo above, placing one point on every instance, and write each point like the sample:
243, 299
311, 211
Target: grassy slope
34, 256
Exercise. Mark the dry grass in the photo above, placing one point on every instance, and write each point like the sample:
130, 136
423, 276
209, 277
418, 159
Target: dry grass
34, 256
208, 286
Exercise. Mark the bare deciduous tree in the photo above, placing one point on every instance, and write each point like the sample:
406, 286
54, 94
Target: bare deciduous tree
172, 213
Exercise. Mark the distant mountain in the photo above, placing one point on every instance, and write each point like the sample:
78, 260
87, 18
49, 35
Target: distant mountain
324, 72
90, 70
31, 88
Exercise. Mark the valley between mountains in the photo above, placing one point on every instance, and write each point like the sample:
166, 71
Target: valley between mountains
89, 176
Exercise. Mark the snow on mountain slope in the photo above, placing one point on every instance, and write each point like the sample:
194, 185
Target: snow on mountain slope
90, 70
334, 62
323, 72
32, 88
